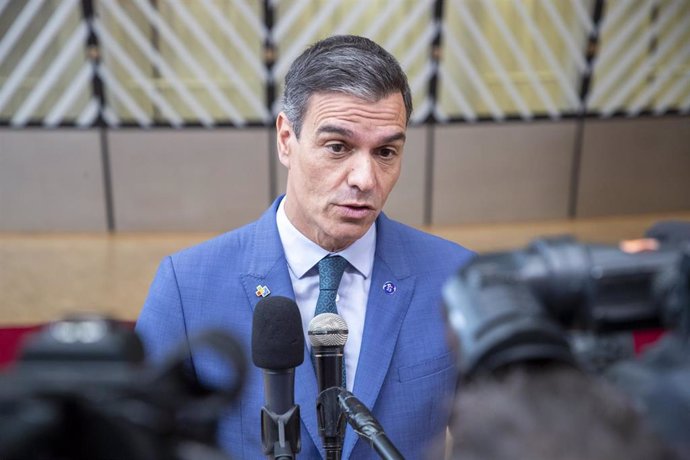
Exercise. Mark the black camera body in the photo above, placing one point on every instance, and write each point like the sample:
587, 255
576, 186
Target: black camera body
527, 309
81, 389
525, 305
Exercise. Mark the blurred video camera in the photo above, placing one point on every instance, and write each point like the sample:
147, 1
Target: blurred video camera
534, 304
559, 302
81, 389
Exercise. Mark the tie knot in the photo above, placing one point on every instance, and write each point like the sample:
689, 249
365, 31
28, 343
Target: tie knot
331, 269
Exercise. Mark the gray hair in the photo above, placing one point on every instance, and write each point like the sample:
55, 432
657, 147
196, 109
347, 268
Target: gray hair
344, 64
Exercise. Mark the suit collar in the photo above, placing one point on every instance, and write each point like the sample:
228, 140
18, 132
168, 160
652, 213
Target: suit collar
390, 247
266, 248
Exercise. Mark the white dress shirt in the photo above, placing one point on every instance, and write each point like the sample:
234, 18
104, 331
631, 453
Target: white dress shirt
302, 255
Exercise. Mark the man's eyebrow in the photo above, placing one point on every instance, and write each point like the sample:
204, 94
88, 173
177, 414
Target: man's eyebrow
395, 137
333, 129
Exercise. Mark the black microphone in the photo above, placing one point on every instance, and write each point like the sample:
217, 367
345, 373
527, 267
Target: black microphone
277, 348
328, 334
366, 426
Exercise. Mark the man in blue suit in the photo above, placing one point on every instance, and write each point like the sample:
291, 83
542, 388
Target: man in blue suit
340, 135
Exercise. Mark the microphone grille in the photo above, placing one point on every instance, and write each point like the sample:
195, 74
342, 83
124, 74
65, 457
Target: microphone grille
327, 330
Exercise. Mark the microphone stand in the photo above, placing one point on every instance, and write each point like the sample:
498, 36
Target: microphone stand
276, 432
331, 420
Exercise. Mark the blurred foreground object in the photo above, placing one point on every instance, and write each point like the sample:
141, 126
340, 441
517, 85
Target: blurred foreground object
81, 389
526, 305
670, 231
558, 304
551, 413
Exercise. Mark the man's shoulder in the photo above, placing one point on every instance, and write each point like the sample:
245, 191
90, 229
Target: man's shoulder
233, 242
422, 246
258, 234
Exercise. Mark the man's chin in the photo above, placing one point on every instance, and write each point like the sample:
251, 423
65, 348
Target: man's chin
349, 232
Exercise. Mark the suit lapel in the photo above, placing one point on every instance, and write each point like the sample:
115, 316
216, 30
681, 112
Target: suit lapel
384, 317
267, 266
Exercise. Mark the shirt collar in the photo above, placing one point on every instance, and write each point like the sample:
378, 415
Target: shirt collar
302, 253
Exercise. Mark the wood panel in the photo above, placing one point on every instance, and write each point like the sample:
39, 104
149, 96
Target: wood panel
635, 166
51, 180
189, 180
502, 172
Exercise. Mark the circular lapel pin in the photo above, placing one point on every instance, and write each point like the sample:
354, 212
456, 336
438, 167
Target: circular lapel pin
389, 288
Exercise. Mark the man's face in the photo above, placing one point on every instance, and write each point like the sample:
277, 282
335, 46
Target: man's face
343, 166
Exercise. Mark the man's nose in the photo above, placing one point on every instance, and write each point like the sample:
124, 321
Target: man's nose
362, 174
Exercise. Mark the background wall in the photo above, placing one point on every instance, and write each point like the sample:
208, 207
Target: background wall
196, 179
157, 115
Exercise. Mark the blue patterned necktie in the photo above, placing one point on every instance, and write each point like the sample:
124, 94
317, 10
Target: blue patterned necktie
331, 269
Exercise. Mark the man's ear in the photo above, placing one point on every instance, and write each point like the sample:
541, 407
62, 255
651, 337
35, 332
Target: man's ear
285, 136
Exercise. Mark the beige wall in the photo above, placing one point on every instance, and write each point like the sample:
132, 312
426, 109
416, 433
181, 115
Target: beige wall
213, 180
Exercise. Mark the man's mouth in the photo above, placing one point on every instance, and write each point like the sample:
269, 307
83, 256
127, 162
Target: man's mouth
356, 210
358, 206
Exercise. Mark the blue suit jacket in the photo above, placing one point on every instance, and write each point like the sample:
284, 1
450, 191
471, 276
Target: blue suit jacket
406, 372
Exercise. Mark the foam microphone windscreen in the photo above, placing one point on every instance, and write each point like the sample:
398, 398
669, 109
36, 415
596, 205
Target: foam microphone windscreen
277, 335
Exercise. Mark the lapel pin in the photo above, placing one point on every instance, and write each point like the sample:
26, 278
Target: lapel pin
389, 288
262, 291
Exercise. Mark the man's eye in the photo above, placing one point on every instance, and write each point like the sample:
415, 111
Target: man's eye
336, 148
387, 153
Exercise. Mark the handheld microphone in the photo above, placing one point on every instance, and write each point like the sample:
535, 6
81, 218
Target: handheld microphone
277, 348
328, 334
366, 426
